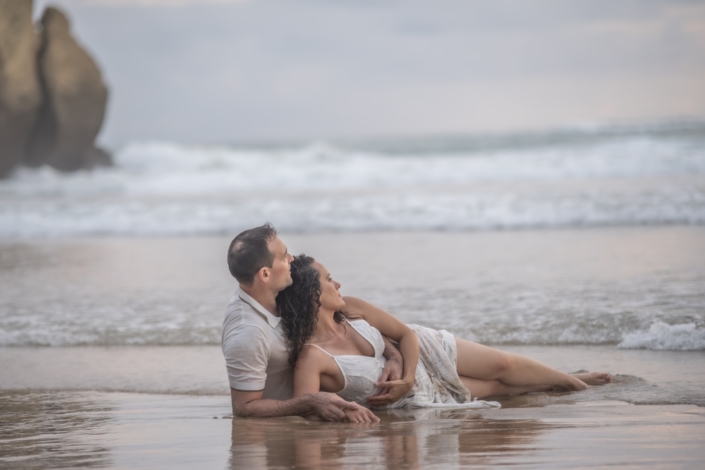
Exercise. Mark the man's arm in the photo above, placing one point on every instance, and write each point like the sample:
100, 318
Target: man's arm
395, 362
327, 406
394, 366
246, 352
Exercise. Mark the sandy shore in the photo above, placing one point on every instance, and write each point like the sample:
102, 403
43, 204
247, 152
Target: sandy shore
126, 430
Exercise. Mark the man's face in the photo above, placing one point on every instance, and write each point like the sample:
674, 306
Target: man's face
280, 273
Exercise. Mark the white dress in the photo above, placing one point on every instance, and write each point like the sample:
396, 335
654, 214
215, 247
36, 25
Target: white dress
436, 383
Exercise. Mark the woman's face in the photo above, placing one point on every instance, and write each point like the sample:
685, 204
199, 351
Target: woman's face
330, 295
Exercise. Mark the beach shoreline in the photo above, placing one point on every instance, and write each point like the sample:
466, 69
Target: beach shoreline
640, 376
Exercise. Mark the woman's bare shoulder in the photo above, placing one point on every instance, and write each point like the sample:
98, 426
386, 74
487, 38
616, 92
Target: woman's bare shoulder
312, 358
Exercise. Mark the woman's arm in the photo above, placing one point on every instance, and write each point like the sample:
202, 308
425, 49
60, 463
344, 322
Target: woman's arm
399, 332
307, 380
307, 374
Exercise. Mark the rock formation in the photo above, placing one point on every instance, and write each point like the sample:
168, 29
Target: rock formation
20, 94
74, 100
52, 95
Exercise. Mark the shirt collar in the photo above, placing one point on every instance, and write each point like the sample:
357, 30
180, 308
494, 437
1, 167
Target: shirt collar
271, 319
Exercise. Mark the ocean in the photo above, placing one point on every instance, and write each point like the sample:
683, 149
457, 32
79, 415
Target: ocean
579, 177
569, 179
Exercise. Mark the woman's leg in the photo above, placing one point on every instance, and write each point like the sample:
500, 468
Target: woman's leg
487, 388
482, 362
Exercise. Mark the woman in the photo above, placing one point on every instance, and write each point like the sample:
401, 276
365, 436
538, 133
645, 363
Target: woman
336, 346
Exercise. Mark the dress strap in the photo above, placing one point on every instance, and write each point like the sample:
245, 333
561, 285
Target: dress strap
311, 344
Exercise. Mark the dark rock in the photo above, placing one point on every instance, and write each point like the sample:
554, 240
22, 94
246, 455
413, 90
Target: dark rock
20, 93
73, 107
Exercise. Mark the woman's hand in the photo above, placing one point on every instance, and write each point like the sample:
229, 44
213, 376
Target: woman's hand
360, 415
393, 391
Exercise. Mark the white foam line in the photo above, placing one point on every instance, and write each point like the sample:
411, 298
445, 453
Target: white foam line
664, 337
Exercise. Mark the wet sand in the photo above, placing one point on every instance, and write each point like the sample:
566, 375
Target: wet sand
123, 430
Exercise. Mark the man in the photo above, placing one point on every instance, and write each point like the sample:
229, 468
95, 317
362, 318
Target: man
261, 379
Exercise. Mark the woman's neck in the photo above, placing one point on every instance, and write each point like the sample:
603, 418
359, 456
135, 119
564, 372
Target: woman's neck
326, 327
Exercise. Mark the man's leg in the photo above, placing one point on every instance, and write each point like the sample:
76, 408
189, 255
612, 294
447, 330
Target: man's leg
482, 362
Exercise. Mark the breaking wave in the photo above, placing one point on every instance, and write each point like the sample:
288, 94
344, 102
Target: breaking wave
578, 178
662, 336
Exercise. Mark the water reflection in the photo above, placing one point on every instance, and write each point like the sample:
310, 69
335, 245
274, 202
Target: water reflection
51, 430
404, 439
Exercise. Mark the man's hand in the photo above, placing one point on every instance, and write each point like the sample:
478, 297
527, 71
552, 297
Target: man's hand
330, 407
392, 370
315, 406
390, 389
393, 391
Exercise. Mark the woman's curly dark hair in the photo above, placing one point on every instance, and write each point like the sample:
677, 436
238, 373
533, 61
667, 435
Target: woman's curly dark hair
298, 305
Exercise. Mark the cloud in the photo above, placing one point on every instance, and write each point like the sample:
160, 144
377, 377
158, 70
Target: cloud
288, 69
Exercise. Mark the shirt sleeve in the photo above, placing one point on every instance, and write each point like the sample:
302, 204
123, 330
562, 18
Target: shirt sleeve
246, 352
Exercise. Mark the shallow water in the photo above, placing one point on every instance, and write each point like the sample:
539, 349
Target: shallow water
627, 287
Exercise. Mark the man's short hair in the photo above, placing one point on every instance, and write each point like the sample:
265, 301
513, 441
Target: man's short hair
249, 252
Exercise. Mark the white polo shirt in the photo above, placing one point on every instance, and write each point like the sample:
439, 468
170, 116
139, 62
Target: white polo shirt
255, 350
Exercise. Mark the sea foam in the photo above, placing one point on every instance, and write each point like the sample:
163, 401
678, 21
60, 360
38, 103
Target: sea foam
579, 179
662, 336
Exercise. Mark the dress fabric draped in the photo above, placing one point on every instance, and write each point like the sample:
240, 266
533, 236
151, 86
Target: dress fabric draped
436, 383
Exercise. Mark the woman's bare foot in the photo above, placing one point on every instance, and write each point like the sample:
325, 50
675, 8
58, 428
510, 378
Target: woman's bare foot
594, 378
583, 380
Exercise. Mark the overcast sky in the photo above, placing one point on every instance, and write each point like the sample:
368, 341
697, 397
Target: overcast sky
225, 71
